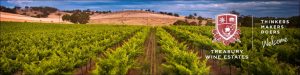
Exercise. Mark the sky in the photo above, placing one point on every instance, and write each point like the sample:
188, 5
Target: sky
204, 8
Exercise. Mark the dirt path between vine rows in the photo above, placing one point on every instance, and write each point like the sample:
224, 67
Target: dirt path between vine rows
151, 53
148, 61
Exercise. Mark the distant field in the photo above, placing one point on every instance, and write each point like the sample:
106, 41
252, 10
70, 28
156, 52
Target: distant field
121, 17
55, 49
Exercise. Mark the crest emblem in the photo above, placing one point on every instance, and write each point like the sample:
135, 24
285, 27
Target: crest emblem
226, 29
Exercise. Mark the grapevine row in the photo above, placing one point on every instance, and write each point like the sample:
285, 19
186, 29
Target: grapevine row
178, 59
120, 60
55, 52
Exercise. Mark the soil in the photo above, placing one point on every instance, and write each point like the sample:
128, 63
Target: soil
151, 52
148, 61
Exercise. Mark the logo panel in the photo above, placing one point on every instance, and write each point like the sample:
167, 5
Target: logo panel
226, 29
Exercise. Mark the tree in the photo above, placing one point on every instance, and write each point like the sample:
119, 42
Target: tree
294, 21
77, 17
66, 17
84, 18
200, 22
180, 22
190, 17
45, 11
193, 23
195, 14
200, 18
246, 21
17, 8
26, 7
171, 14
88, 10
235, 12
209, 23
5, 9
175, 14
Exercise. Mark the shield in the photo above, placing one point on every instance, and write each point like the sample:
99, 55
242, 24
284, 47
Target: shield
226, 25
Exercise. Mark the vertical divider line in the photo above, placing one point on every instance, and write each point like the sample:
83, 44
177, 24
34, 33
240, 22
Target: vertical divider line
252, 32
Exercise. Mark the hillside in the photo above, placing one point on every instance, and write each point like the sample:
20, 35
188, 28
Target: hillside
52, 18
130, 17
134, 18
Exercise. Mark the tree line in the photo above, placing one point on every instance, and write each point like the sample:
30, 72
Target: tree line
89, 11
162, 12
45, 10
195, 17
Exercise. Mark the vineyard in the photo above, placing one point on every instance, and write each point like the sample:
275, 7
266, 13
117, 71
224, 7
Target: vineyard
64, 49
